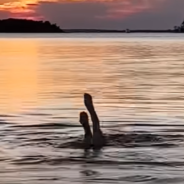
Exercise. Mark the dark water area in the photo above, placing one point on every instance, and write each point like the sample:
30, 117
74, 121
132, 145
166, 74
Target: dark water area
137, 82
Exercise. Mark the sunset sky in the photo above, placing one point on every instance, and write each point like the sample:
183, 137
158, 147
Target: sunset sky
105, 14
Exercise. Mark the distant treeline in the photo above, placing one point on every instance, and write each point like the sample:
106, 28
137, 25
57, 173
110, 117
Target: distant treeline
28, 26
118, 31
179, 28
31, 26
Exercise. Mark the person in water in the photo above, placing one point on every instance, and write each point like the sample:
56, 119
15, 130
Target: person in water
97, 139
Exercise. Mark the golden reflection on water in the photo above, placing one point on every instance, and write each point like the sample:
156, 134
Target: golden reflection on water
129, 78
19, 70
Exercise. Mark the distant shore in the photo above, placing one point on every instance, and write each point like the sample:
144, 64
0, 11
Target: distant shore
90, 31
28, 26
117, 31
95, 31
12, 25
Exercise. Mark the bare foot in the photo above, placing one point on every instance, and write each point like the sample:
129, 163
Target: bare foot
83, 118
88, 101
88, 135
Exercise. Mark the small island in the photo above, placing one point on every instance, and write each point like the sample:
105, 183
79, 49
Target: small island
28, 26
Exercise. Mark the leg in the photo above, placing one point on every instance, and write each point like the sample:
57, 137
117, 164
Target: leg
98, 138
88, 135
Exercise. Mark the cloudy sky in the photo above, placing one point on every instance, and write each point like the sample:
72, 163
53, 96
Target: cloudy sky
104, 14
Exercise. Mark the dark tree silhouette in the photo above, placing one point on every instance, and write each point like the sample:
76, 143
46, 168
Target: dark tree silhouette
28, 26
179, 28
182, 27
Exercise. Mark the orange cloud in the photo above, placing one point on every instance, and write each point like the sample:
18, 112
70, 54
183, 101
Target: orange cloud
16, 7
116, 8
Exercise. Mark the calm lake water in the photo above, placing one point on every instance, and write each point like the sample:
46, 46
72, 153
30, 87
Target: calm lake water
137, 82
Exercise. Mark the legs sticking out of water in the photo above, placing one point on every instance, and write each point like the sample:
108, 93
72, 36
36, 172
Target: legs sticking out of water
88, 135
98, 140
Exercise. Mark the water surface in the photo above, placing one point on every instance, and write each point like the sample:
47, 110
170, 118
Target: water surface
137, 82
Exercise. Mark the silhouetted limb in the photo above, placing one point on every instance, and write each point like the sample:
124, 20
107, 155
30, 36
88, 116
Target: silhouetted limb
98, 138
88, 135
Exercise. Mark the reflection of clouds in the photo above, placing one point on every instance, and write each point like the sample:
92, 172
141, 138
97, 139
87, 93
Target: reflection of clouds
125, 77
18, 73
121, 67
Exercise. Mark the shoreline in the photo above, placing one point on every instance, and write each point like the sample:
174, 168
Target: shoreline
117, 31
100, 31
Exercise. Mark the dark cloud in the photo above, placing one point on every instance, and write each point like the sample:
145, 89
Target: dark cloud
4, 14
165, 15
141, 14
75, 14
112, 14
